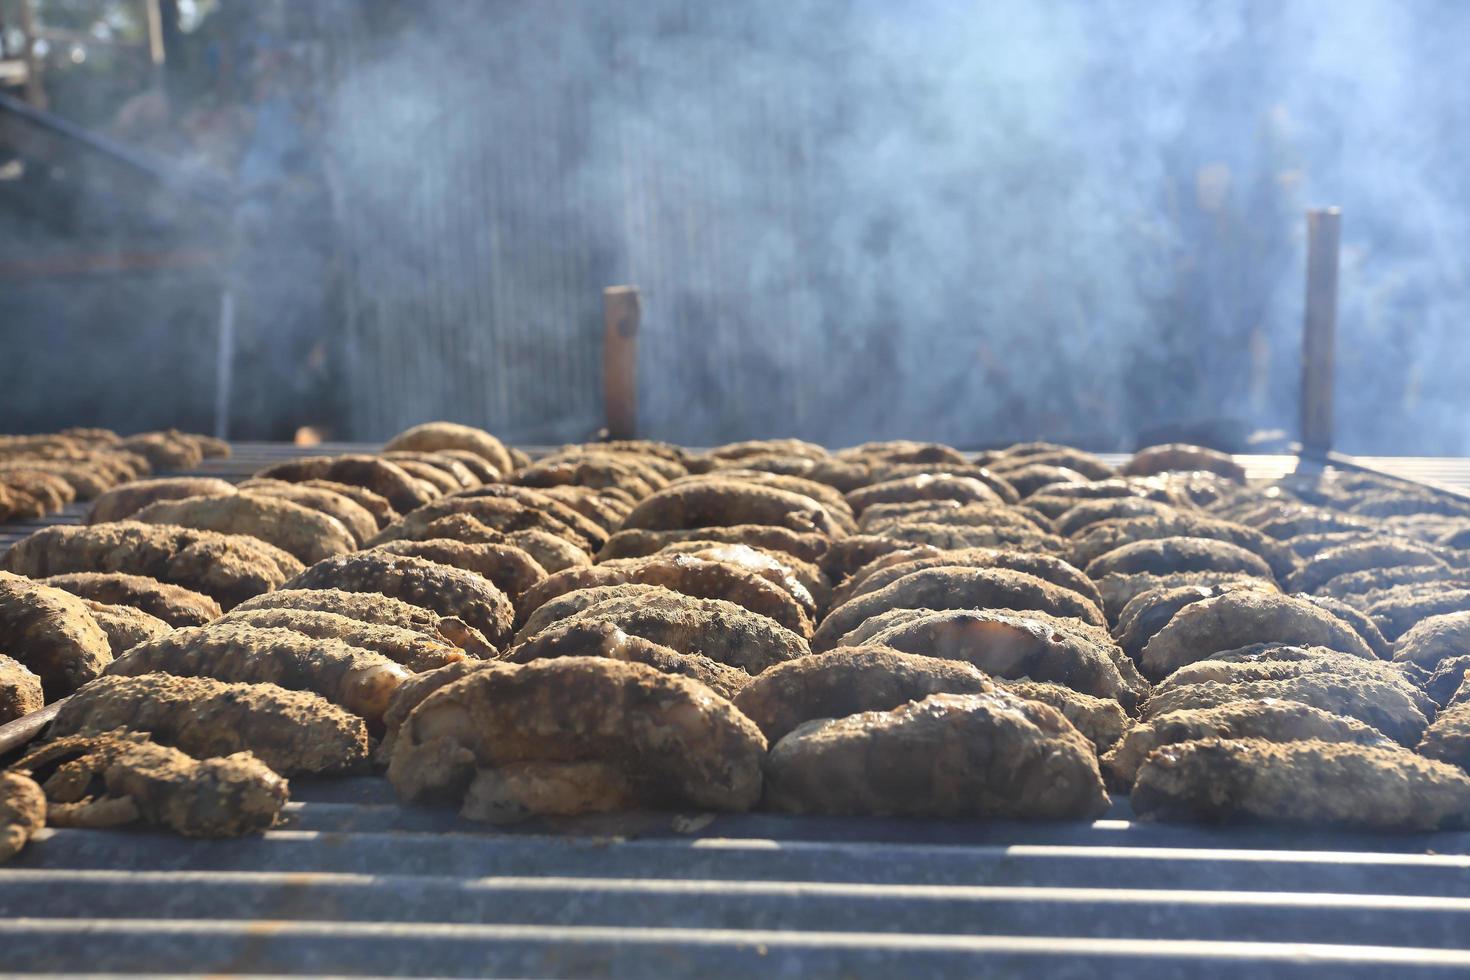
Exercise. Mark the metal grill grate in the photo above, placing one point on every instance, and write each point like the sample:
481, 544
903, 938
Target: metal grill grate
353, 883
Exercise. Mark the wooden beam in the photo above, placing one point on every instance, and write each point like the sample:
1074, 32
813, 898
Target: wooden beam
620, 318
1319, 330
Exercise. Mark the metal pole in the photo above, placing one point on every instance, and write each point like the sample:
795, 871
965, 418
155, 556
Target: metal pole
224, 376
1319, 330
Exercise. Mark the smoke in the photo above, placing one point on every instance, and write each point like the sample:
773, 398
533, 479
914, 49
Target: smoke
956, 221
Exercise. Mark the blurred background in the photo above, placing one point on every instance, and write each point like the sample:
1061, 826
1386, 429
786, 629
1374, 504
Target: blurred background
967, 222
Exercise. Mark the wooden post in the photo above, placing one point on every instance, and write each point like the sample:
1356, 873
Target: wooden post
620, 316
1319, 330
35, 94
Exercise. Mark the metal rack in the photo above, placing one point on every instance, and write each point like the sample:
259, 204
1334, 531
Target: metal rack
354, 883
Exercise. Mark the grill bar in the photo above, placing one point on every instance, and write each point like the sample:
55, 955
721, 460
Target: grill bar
354, 883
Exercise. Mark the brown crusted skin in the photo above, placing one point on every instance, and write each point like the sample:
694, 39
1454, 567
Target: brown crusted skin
684, 574
1013, 645
1182, 456
1150, 611
306, 534
402, 646
1311, 783
1448, 739
902, 451
1047, 567
482, 469
1031, 477
1052, 454
889, 472
85, 481
582, 527
501, 514
599, 506
1360, 585
377, 505
52, 633
723, 503
848, 681
1446, 679
167, 450
764, 447
461, 477
568, 604
229, 568
359, 680
1240, 618
552, 552
503, 740
410, 695
1106, 537
223, 797
22, 812
828, 497
607, 640
1306, 546
1294, 522
50, 490
293, 732
125, 626
949, 755
1165, 556
1361, 623
712, 628
311, 494
371, 607
598, 471
379, 475
1076, 520
20, 690
16, 504
653, 470
1397, 610
433, 436
1432, 640
635, 543
1056, 499
983, 487
1269, 719
1376, 703
670, 460
957, 588
447, 590
1102, 720
879, 516
211, 447
1085, 633
1274, 661
174, 604
803, 580
512, 570
428, 476
955, 536
123, 502
1119, 590
1360, 556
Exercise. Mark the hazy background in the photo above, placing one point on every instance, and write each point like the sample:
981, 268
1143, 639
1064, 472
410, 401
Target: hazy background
972, 222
